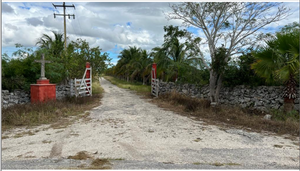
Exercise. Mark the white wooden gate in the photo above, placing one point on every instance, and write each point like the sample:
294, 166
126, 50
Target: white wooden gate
81, 85
154, 83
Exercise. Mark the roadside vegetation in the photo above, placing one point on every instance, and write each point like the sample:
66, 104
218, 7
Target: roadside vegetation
229, 116
51, 112
272, 62
21, 71
238, 55
200, 109
136, 86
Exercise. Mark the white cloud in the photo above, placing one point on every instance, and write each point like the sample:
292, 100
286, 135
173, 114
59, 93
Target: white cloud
102, 24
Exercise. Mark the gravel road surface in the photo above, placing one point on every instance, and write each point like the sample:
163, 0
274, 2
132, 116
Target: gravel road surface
135, 134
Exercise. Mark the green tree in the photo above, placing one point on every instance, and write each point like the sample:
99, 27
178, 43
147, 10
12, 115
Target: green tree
124, 66
19, 73
175, 57
142, 65
78, 53
239, 72
54, 46
232, 23
279, 61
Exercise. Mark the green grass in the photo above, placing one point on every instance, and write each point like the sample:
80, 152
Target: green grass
96, 87
139, 87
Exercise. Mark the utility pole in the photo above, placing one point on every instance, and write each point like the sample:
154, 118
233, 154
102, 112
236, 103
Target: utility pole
65, 30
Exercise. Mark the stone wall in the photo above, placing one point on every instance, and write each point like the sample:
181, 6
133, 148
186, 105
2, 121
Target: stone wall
262, 98
15, 97
65, 90
22, 97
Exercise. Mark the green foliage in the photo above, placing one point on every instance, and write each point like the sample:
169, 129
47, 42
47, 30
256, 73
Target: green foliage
136, 86
134, 64
292, 27
220, 63
177, 61
239, 72
20, 72
279, 59
96, 87
78, 53
280, 115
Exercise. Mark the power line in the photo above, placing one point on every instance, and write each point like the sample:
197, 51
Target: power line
79, 25
64, 15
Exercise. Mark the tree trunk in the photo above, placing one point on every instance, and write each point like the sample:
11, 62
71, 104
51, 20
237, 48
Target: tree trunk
215, 83
289, 94
144, 80
147, 78
288, 105
218, 88
212, 85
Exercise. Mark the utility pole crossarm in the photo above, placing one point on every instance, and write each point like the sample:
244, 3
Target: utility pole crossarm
64, 15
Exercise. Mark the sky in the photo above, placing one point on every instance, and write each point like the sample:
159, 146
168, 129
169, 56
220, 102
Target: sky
112, 26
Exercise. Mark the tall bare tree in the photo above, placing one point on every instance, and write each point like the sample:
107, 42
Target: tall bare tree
232, 24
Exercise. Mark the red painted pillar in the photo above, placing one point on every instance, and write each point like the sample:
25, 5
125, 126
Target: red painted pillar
88, 74
42, 91
154, 71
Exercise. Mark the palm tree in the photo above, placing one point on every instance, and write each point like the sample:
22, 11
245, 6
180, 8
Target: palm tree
55, 46
123, 67
176, 57
279, 60
142, 66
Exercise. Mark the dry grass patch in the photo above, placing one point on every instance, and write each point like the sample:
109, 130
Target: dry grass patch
189, 104
46, 142
278, 146
18, 135
82, 155
224, 115
47, 113
100, 164
4, 137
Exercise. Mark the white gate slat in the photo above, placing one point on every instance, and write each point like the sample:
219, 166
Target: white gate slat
155, 87
81, 84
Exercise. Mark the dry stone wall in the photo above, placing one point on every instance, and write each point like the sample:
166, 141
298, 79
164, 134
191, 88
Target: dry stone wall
15, 97
63, 91
22, 97
262, 98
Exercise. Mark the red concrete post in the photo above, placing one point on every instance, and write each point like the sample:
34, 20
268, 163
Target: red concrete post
88, 74
42, 91
154, 71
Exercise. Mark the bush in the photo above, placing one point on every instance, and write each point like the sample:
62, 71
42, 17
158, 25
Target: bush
280, 115
190, 104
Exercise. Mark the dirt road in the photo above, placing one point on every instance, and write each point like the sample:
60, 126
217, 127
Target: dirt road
136, 134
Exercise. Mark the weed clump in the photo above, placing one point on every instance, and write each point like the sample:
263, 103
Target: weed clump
82, 155
190, 104
100, 164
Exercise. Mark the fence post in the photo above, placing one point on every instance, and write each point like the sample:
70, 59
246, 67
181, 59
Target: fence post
88, 75
75, 87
